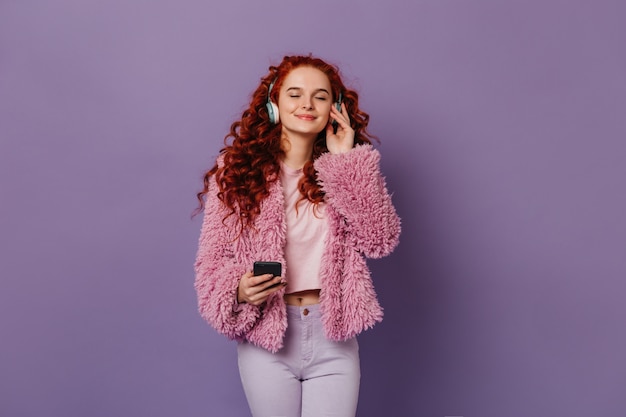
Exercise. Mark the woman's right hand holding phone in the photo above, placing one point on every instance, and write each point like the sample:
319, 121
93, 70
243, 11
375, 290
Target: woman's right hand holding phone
255, 290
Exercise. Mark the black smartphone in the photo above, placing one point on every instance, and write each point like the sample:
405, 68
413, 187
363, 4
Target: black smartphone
267, 267
337, 105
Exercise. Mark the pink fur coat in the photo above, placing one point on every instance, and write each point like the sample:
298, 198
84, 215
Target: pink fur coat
362, 223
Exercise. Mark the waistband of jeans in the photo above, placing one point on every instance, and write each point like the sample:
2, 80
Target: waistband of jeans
297, 311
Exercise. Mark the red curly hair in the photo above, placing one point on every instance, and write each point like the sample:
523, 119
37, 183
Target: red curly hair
252, 162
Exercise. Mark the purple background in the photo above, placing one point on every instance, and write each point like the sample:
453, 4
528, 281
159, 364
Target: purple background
503, 138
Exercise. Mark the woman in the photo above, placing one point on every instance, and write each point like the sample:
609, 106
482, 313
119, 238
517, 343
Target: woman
301, 185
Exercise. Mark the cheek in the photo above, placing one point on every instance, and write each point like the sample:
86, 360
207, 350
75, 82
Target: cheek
286, 106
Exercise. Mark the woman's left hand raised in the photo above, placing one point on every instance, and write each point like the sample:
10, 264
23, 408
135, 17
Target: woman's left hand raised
343, 140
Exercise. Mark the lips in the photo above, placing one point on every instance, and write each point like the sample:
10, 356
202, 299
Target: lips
307, 117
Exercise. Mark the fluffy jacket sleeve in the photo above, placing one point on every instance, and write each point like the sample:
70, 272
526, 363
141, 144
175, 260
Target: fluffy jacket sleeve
355, 187
218, 272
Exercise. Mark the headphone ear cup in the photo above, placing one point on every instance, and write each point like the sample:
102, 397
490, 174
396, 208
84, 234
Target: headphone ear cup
272, 112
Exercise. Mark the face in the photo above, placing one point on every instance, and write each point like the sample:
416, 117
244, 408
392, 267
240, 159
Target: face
304, 102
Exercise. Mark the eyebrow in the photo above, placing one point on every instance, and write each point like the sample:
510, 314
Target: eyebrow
319, 90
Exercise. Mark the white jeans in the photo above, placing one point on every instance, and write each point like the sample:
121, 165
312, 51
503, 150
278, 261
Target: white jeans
310, 376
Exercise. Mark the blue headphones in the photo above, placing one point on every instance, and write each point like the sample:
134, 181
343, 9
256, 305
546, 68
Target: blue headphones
272, 108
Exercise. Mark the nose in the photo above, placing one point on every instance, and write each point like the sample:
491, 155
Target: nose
307, 102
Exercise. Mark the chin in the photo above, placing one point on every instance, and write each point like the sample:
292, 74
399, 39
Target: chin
304, 131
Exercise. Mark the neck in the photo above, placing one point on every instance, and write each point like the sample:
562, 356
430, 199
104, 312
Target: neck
298, 150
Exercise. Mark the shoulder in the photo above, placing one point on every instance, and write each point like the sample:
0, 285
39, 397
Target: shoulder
360, 158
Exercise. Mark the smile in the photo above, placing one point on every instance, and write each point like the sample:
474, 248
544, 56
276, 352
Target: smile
307, 117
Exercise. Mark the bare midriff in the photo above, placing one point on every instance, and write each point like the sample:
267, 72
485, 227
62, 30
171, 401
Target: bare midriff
303, 298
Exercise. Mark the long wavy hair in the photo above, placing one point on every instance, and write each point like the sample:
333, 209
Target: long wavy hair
251, 163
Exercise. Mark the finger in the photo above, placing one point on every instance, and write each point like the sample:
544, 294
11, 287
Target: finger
329, 129
244, 281
271, 283
343, 113
346, 115
256, 280
342, 118
277, 286
260, 297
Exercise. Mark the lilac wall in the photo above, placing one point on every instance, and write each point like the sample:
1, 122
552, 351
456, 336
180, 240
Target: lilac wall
503, 137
